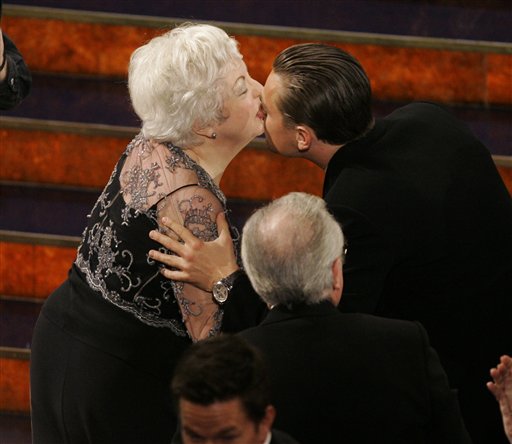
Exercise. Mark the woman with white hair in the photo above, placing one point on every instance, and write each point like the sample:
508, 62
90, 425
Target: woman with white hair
107, 340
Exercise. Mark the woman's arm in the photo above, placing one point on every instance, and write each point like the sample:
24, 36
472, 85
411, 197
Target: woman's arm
204, 263
195, 261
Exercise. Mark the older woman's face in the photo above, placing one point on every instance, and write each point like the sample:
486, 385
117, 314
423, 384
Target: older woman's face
242, 107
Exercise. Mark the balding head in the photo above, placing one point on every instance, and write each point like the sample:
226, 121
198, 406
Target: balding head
288, 250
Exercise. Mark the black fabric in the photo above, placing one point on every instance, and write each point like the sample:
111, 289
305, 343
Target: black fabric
244, 305
16, 86
98, 374
429, 227
279, 437
86, 395
428, 223
107, 340
353, 378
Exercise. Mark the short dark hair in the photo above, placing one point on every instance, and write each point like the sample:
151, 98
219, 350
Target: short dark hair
325, 88
223, 368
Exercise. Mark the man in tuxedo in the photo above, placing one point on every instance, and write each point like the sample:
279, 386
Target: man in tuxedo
426, 216
222, 394
337, 377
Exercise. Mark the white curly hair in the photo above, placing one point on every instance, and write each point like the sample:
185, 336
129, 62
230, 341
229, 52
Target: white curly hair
175, 81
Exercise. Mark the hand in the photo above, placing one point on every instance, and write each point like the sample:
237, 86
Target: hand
195, 261
501, 388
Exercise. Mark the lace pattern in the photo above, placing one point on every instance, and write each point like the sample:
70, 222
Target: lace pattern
150, 181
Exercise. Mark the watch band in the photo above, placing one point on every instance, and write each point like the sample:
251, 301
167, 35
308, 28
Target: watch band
221, 289
228, 281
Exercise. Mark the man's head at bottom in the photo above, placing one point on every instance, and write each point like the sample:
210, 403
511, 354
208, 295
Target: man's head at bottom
222, 393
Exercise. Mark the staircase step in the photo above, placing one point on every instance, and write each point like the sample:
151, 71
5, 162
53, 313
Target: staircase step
57, 216
40, 230
85, 159
15, 429
462, 20
47, 156
14, 383
18, 318
49, 210
77, 98
416, 67
41, 263
105, 103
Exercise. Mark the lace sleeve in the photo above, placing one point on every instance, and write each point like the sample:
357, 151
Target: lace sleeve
162, 181
196, 208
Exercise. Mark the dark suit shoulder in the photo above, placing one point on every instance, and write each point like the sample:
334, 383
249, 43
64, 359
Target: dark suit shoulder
279, 437
386, 329
360, 330
432, 122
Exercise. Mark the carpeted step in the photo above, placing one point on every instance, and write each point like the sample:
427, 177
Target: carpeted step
470, 19
400, 67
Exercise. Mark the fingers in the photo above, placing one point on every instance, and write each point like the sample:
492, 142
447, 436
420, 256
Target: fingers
502, 371
182, 232
506, 361
497, 375
175, 264
493, 389
167, 259
174, 275
167, 241
501, 377
222, 223
223, 228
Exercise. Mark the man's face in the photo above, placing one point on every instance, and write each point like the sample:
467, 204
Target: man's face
220, 423
280, 139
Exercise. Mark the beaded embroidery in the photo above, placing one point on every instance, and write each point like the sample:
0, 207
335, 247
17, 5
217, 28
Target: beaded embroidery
117, 235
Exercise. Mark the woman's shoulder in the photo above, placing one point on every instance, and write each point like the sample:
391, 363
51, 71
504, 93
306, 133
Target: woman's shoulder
153, 170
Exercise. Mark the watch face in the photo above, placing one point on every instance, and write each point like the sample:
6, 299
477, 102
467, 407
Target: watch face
220, 293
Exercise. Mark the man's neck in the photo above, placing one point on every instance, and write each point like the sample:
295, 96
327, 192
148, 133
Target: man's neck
322, 153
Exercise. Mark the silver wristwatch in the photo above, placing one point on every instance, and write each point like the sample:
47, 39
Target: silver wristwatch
221, 289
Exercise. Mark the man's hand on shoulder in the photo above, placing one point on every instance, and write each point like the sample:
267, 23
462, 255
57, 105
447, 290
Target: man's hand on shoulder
193, 260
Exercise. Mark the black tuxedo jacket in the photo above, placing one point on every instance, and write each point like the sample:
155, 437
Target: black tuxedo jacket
428, 223
279, 437
352, 378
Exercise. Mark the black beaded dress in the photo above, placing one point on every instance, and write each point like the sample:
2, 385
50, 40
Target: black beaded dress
107, 340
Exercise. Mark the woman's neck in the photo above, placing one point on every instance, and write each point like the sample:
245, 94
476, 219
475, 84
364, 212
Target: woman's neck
213, 158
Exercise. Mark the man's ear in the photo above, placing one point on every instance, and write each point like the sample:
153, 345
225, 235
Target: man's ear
268, 419
337, 281
304, 136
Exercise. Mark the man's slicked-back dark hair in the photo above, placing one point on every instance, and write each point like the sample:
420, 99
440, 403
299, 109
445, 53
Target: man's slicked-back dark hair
220, 369
325, 88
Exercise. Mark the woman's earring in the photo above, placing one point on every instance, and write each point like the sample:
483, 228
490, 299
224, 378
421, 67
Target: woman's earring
213, 136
